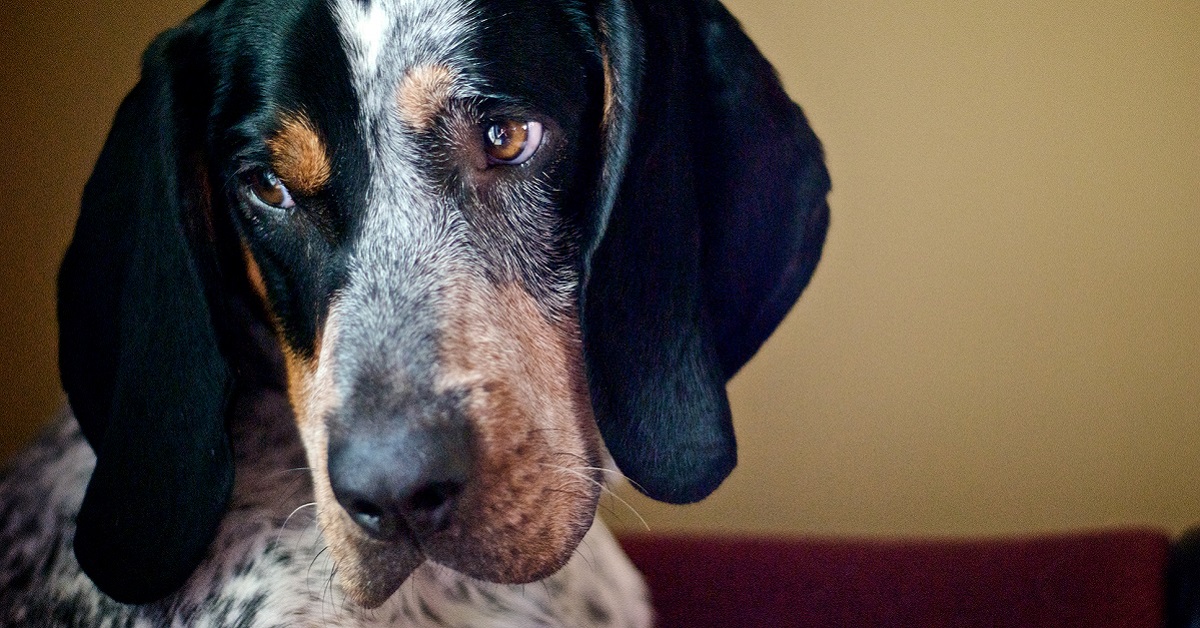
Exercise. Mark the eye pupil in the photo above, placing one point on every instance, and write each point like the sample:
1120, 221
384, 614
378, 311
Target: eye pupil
506, 141
270, 190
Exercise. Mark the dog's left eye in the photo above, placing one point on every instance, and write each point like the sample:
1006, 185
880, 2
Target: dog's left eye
269, 190
512, 142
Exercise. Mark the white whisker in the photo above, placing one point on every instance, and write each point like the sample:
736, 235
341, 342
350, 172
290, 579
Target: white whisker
289, 518
603, 488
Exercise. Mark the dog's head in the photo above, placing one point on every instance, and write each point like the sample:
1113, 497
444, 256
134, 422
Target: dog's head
486, 235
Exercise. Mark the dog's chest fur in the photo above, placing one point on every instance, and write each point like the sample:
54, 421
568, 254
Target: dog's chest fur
268, 565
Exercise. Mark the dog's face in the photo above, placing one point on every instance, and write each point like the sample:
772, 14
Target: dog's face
489, 237
410, 217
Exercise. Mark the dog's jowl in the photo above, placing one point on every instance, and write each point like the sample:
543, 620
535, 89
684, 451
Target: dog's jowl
368, 297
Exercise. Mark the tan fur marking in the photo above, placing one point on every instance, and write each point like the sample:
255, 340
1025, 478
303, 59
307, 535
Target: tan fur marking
536, 439
423, 94
298, 155
310, 383
254, 275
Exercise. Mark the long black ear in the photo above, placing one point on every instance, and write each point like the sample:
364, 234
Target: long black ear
711, 221
137, 346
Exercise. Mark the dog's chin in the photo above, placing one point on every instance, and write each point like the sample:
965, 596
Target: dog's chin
370, 572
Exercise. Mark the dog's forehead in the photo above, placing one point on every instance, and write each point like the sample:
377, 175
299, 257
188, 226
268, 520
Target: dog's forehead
409, 57
485, 42
382, 37
339, 59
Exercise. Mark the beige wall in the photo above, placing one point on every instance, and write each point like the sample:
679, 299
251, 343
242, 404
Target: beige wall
64, 67
1001, 336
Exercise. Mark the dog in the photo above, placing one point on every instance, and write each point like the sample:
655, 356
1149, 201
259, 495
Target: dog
367, 296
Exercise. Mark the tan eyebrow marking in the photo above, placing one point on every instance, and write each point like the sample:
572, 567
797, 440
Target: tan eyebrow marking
423, 94
298, 155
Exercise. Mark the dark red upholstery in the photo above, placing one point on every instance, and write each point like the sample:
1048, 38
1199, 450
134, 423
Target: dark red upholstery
1090, 579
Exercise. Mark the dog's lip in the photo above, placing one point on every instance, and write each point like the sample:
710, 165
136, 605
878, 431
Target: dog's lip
384, 566
446, 549
490, 557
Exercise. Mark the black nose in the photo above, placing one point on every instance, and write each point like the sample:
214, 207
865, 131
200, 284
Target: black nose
406, 481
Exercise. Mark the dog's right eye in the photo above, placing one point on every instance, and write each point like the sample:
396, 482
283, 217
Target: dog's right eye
269, 190
512, 142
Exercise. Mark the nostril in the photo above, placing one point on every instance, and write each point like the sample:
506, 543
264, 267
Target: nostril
430, 508
404, 485
386, 511
436, 496
368, 516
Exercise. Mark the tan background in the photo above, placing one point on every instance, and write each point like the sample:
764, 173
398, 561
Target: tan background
1002, 335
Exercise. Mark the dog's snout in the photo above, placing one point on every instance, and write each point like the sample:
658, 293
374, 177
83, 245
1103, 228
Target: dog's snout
404, 486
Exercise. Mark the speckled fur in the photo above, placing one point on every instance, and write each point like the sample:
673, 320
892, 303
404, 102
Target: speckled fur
269, 565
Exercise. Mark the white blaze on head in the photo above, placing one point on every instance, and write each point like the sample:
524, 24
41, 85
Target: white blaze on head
384, 40
433, 30
364, 28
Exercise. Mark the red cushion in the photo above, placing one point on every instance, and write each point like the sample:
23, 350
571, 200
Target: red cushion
1088, 579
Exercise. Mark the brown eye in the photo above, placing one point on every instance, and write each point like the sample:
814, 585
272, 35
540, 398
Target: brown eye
269, 190
512, 142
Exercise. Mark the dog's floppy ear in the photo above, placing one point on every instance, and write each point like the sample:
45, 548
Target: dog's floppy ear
138, 348
711, 221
